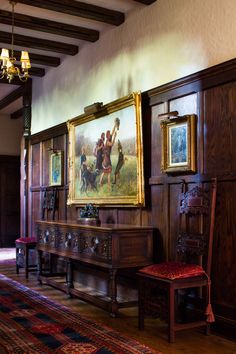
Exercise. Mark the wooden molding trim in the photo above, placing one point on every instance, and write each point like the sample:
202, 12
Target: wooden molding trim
196, 178
46, 134
215, 75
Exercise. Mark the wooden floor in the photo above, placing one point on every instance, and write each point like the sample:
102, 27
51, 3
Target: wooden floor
154, 335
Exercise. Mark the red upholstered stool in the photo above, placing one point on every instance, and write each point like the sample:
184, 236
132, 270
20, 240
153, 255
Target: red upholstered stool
24, 258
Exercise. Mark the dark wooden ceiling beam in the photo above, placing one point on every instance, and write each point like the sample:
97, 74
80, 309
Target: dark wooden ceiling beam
40, 59
38, 43
146, 2
14, 95
17, 114
33, 71
44, 25
77, 8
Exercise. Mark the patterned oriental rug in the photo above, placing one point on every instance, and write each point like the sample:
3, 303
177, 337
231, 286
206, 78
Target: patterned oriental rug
31, 323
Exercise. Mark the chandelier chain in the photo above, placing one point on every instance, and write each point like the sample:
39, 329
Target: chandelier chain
12, 28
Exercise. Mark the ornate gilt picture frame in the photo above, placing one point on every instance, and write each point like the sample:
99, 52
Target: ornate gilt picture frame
106, 155
179, 144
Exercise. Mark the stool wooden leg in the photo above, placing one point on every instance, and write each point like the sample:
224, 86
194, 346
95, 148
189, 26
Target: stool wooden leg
171, 319
141, 310
17, 267
39, 266
26, 261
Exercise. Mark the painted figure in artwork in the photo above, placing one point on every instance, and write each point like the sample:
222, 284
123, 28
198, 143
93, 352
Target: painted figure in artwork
106, 162
99, 152
179, 145
55, 168
83, 160
120, 162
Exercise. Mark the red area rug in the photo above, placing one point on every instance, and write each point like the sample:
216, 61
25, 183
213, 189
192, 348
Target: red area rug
31, 323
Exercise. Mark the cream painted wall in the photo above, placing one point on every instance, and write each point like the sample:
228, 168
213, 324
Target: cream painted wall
160, 43
10, 135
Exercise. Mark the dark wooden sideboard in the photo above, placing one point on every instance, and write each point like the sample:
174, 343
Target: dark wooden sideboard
111, 248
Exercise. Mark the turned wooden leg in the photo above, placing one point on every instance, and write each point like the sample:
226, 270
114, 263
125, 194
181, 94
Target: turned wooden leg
113, 292
39, 267
141, 296
17, 256
171, 314
50, 256
69, 275
26, 260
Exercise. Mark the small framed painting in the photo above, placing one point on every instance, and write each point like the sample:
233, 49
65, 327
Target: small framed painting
56, 165
179, 144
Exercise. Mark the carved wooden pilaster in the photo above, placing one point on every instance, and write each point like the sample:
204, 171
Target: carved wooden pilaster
27, 98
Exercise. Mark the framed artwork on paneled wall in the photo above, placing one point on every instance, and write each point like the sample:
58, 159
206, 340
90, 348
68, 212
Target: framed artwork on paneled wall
56, 168
106, 155
179, 144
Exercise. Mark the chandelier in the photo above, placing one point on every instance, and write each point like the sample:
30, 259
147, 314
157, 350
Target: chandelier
8, 68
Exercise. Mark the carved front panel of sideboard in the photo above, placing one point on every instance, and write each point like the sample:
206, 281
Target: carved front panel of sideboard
68, 240
88, 244
96, 245
119, 246
46, 235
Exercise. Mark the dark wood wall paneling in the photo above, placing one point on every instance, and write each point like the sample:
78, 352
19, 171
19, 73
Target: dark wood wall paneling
56, 138
211, 94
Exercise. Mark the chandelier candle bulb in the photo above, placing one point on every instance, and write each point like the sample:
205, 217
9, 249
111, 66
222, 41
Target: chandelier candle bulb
24, 56
5, 54
4, 63
24, 65
9, 64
